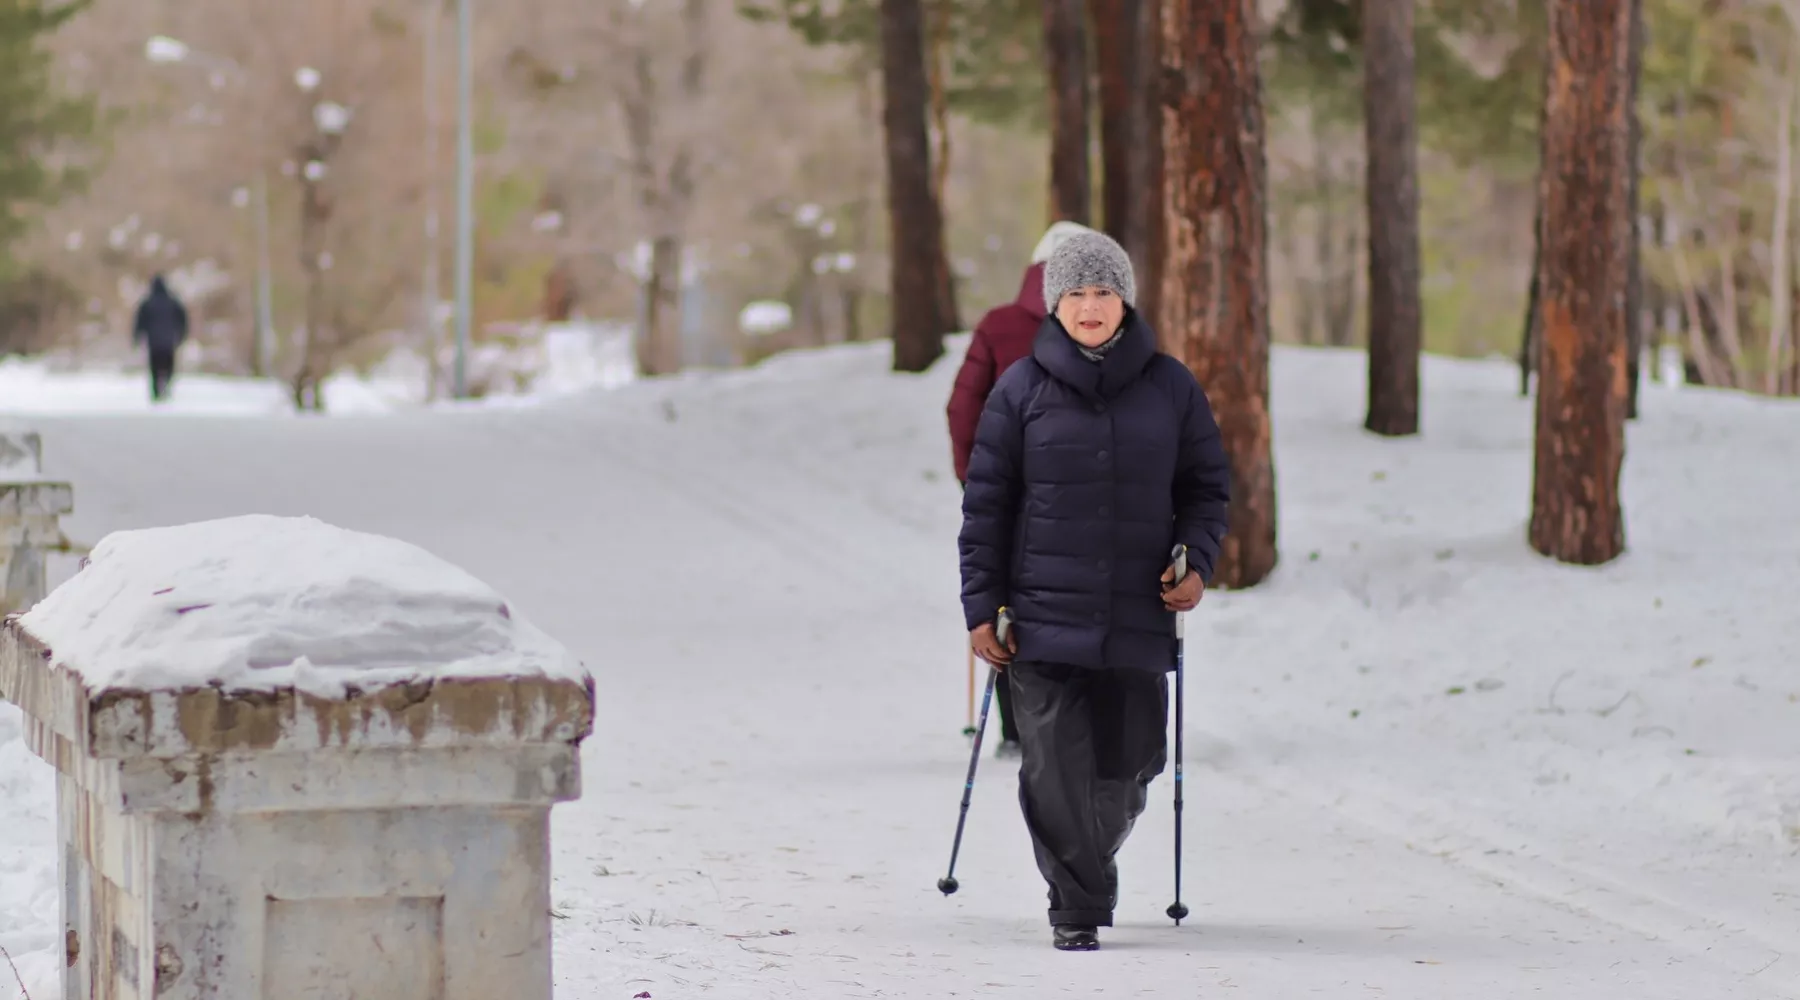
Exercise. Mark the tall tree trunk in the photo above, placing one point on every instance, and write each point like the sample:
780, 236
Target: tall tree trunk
665, 202
862, 211
1528, 338
659, 349
1122, 116
949, 320
1065, 50
1781, 292
1583, 269
937, 33
1790, 378
1215, 294
1389, 110
316, 348
914, 222
1336, 244
1148, 164
1634, 273
937, 29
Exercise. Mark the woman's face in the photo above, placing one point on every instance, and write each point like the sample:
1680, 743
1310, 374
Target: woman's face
1091, 314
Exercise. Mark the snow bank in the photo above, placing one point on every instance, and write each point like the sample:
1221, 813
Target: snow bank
260, 602
38, 386
559, 360
28, 888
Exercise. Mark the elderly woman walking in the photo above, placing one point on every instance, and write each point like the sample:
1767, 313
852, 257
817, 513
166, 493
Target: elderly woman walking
1093, 458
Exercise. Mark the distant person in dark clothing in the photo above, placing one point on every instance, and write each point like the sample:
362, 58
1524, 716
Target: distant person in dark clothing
162, 326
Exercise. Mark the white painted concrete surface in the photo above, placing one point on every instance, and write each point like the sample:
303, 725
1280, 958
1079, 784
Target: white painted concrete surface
29, 509
219, 843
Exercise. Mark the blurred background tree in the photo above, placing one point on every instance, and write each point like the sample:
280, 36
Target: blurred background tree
664, 166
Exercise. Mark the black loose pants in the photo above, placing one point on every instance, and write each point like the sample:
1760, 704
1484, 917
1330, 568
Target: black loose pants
1093, 740
1009, 725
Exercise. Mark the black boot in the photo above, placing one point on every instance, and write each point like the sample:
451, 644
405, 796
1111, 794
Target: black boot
1075, 937
1009, 750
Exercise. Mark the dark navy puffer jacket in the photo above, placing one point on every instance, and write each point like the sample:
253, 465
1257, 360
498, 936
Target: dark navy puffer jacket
1083, 477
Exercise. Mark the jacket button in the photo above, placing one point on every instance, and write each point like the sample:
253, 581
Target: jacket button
1099, 617
1102, 563
1105, 510
1099, 407
1102, 456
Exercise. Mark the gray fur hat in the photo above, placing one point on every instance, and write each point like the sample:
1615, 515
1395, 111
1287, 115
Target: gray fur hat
1088, 258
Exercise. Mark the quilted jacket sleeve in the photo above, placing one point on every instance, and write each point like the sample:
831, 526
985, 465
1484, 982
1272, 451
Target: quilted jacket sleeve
991, 499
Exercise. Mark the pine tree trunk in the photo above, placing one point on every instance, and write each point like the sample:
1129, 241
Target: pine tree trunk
1215, 293
1389, 110
947, 316
1584, 268
1065, 49
914, 222
1121, 116
937, 29
1634, 274
1148, 164
1528, 338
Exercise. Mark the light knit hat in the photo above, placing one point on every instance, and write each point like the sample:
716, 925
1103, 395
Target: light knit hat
1054, 237
1088, 258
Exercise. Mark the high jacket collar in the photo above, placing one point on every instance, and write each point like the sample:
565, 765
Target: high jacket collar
1058, 353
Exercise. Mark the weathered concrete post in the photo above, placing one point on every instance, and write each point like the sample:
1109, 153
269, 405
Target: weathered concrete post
29, 508
297, 762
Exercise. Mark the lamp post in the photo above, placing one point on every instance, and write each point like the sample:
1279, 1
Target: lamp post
428, 286
465, 194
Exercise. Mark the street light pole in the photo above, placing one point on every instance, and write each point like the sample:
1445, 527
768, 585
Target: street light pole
465, 192
434, 261
265, 308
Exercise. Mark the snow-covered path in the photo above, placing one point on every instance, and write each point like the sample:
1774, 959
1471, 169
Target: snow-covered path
1408, 776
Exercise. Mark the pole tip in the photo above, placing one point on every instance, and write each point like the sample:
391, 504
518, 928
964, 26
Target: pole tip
1177, 912
947, 885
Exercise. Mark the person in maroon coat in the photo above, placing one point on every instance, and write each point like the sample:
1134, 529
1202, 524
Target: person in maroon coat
1003, 337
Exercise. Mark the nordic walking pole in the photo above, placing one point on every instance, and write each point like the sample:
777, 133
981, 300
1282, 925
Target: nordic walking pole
1002, 628
1177, 910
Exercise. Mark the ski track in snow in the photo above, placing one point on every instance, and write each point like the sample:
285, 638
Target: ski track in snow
760, 571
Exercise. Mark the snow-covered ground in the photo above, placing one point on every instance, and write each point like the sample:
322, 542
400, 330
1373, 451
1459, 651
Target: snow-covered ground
1423, 762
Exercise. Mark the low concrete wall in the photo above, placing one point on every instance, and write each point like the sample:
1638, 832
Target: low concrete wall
391, 844
30, 507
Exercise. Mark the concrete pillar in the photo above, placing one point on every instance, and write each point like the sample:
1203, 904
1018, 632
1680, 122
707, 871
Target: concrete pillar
275, 844
30, 507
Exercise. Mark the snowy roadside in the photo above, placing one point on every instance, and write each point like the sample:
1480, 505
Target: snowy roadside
1438, 764
1634, 731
